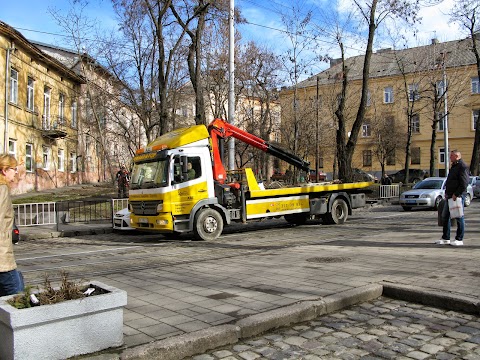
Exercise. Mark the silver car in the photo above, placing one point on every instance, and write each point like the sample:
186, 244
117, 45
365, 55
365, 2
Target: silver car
121, 220
428, 193
475, 183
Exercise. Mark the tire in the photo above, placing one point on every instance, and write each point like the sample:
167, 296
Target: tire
296, 219
468, 200
437, 202
407, 208
208, 224
338, 213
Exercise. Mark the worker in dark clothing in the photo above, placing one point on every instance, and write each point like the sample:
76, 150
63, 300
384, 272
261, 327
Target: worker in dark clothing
455, 187
123, 181
386, 180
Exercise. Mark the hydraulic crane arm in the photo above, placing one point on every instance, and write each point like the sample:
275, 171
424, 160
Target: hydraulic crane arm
219, 128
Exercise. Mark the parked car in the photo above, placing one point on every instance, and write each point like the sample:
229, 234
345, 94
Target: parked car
15, 234
121, 220
360, 175
475, 184
414, 176
312, 177
428, 193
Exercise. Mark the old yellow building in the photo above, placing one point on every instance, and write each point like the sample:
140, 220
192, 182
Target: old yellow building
406, 92
39, 118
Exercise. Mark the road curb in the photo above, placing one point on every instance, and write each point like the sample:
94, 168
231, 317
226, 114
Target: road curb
65, 233
199, 342
448, 301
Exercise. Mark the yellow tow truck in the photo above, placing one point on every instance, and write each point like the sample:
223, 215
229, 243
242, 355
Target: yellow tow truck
179, 184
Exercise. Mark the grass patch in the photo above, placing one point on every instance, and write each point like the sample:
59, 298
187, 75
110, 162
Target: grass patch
68, 194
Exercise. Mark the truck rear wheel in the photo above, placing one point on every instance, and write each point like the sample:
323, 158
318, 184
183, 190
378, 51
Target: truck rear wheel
338, 213
208, 224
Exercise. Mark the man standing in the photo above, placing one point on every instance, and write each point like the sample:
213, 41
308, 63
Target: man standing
455, 187
122, 180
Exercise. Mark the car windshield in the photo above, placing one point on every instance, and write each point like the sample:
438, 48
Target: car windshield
150, 174
429, 184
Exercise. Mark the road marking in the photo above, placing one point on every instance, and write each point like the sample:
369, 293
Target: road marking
78, 253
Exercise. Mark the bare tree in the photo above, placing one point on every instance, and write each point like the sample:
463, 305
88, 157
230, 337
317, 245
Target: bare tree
465, 12
373, 13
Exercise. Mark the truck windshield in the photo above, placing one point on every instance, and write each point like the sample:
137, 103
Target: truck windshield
149, 174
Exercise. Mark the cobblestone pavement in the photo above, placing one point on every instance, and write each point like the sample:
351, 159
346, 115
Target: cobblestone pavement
380, 329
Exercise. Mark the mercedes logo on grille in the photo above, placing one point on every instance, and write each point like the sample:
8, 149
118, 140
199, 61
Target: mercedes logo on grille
142, 205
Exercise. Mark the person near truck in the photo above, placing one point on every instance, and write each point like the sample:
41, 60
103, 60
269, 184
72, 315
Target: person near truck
122, 182
455, 187
11, 280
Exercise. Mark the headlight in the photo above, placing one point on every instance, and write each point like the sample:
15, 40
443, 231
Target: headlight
160, 206
424, 196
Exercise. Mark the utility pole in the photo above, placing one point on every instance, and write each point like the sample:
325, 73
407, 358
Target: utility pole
445, 118
231, 83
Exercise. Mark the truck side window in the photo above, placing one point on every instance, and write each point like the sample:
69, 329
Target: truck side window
194, 169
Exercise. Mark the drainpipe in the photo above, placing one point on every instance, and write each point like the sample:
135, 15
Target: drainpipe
7, 77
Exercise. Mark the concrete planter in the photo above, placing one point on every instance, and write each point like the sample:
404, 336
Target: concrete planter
62, 330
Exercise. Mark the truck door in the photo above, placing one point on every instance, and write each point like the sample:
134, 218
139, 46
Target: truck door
189, 183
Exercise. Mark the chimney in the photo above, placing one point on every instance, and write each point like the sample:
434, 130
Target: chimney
435, 41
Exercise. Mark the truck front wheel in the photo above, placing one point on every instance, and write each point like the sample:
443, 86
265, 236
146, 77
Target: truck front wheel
339, 212
208, 224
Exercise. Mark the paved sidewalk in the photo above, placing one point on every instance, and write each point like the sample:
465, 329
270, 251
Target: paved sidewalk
188, 299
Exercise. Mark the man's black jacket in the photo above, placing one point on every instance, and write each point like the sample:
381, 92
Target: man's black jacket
457, 180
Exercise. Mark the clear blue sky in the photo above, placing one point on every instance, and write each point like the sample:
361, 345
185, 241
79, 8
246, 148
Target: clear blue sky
33, 20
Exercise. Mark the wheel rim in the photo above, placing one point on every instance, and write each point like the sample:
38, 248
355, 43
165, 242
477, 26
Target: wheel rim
339, 212
210, 224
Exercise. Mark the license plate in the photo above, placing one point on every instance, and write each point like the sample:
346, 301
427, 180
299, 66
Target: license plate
118, 222
143, 220
411, 202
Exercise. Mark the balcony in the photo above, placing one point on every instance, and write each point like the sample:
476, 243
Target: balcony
53, 129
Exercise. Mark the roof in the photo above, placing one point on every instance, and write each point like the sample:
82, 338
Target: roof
36, 52
384, 62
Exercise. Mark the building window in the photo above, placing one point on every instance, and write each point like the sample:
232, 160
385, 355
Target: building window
12, 147
61, 160
29, 157
74, 114
13, 86
366, 129
475, 86
475, 117
30, 94
440, 88
61, 109
415, 160
441, 155
413, 93
73, 162
367, 157
388, 95
440, 121
46, 108
415, 124
391, 157
46, 158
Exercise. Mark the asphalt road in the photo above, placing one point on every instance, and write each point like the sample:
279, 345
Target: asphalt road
180, 286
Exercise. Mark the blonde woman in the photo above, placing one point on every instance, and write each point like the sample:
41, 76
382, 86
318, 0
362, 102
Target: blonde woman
11, 281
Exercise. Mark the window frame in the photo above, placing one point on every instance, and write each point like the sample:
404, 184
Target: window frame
74, 109
413, 92
61, 108
415, 124
29, 157
73, 162
475, 85
30, 94
367, 158
441, 154
440, 121
12, 147
475, 116
61, 160
47, 92
13, 93
413, 159
366, 129
388, 95
45, 158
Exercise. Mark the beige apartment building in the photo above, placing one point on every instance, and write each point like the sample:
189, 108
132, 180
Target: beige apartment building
406, 92
39, 113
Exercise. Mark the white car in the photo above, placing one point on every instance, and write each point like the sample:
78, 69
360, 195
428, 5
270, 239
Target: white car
121, 220
428, 193
475, 183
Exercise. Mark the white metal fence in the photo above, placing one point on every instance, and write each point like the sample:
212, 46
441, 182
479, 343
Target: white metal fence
389, 191
51, 213
35, 214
